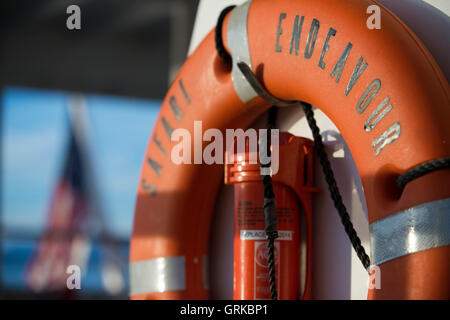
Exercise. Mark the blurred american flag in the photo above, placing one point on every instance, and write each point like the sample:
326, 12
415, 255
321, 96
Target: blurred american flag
63, 243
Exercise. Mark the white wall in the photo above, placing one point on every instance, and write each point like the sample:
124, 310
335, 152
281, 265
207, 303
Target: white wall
338, 274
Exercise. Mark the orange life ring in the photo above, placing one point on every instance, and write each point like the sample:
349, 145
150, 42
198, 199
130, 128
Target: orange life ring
381, 88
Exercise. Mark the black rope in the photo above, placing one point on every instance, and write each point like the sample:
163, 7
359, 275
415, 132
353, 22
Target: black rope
218, 36
333, 188
422, 169
270, 213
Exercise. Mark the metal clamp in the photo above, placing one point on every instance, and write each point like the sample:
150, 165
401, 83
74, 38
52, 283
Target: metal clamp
260, 90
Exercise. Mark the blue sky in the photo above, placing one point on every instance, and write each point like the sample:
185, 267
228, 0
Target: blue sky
34, 140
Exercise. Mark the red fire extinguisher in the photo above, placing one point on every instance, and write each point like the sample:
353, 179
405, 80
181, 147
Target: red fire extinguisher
292, 185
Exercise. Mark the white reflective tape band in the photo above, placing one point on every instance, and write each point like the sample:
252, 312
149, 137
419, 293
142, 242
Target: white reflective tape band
415, 229
238, 45
158, 275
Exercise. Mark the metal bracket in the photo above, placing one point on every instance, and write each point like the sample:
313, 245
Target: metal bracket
260, 90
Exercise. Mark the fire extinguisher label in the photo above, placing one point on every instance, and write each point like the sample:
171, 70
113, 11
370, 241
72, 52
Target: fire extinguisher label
262, 283
261, 235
